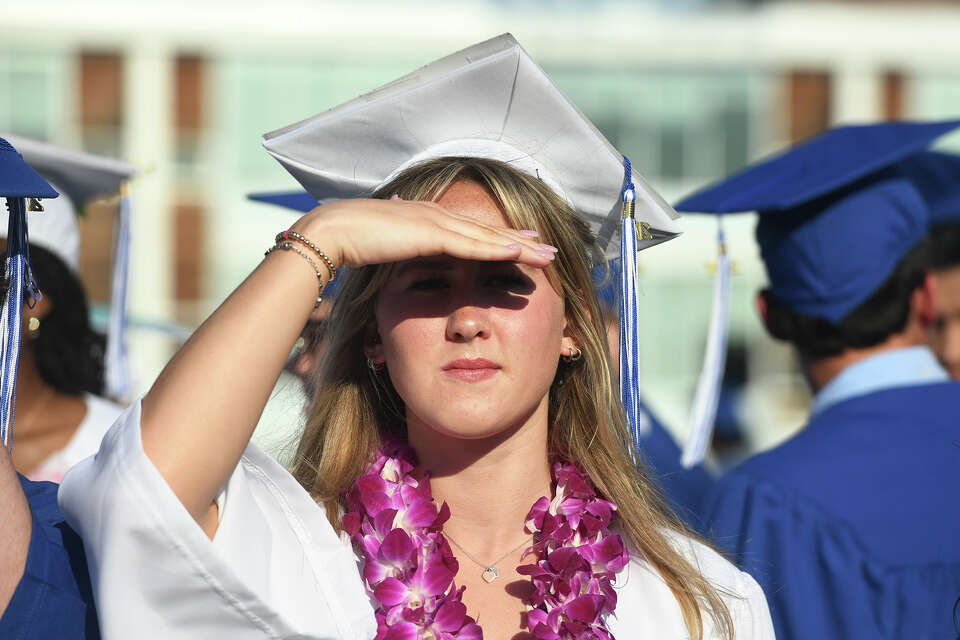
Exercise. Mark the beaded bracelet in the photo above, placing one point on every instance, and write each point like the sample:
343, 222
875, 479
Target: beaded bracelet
287, 235
287, 246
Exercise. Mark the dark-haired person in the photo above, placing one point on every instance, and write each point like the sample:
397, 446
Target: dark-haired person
59, 418
45, 587
851, 525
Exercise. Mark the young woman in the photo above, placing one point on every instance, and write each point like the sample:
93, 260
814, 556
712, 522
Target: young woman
466, 398
60, 419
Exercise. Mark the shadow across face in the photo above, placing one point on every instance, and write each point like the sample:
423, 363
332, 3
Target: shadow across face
435, 287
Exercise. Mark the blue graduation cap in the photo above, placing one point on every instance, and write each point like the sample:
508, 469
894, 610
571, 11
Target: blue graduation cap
17, 181
296, 200
836, 217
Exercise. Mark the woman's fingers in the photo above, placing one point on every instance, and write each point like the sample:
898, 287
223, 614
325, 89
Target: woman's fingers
466, 247
362, 232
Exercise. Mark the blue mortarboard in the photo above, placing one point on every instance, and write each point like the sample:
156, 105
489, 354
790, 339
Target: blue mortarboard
17, 181
835, 218
296, 200
936, 175
299, 201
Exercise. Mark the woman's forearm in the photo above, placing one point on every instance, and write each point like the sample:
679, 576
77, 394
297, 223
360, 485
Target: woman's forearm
202, 409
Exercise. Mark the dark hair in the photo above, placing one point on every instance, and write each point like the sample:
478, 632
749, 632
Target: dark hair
882, 315
69, 352
946, 245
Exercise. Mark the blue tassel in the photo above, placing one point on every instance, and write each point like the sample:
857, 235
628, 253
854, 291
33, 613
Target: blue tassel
629, 332
117, 369
19, 279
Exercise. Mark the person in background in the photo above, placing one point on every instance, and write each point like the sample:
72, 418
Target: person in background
851, 525
60, 414
45, 587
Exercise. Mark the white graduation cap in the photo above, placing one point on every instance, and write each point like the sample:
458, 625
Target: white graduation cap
490, 100
82, 178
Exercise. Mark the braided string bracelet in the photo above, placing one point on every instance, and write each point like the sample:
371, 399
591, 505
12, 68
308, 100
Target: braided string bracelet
289, 246
288, 235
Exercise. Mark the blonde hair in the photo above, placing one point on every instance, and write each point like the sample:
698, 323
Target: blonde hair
354, 406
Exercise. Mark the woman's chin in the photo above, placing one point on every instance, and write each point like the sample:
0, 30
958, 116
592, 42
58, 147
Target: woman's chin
477, 425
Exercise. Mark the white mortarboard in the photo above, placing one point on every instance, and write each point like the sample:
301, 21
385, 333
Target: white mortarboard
83, 178
490, 100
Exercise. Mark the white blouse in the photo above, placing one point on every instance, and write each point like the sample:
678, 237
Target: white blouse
276, 568
101, 414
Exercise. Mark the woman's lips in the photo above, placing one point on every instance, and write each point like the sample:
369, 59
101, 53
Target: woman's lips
471, 370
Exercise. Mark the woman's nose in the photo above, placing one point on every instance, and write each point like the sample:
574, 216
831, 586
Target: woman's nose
467, 322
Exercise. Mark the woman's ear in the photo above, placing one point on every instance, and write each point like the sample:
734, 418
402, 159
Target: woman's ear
41, 309
373, 345
761, 304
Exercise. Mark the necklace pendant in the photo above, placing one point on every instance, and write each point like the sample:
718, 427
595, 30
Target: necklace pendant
490, 574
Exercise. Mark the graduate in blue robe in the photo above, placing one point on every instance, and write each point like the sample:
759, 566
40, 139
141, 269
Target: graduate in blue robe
45, 588
53, 598
852, 525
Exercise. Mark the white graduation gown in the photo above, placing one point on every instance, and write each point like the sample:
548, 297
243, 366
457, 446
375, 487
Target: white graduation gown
276, 568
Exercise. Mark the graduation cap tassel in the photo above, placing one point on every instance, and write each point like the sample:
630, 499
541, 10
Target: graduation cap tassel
707, 396
629, 333
117, 370
19, 278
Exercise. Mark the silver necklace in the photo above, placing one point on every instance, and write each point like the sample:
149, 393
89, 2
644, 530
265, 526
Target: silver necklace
490, 572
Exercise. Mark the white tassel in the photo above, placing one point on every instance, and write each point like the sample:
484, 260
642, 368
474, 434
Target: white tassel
117, 368
704, 411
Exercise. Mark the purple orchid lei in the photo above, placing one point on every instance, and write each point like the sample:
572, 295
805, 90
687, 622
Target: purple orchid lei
409, 567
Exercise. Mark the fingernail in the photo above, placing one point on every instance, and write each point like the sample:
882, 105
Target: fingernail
533, 233
549, 255
549, 247
515, 245
395, 197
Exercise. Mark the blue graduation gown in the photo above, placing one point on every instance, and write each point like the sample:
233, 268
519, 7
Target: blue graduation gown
683, 488
53, 598
852, 527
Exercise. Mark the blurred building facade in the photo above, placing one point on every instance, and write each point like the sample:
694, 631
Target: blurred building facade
690, 91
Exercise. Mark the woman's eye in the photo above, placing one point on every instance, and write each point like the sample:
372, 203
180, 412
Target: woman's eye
427, 284
506, 281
